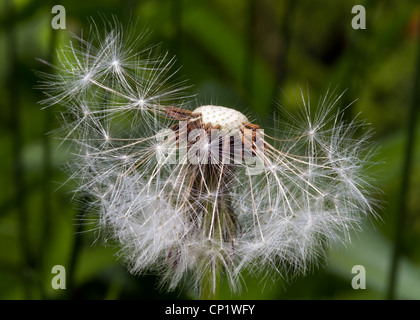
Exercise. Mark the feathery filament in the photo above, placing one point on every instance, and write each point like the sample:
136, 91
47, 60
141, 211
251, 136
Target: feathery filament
188, 192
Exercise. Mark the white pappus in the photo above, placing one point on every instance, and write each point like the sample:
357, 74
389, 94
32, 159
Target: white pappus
194, 193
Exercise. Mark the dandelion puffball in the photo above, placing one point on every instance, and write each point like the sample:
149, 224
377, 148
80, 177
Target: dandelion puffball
196, 193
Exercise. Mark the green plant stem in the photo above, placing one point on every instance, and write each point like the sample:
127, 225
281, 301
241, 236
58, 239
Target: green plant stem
77, 246
209, 289
406, 175
285, 32
208, 282
18, 168
47, 162
177, 39
249, 60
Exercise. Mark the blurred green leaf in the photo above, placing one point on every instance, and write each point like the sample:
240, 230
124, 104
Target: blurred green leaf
371, 250
229, 50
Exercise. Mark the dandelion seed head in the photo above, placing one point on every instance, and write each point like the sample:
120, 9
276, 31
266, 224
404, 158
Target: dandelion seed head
177, 201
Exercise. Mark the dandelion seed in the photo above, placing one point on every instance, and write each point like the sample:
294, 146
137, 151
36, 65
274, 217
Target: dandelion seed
194, 193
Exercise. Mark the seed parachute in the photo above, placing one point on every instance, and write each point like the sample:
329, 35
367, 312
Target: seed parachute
195, 193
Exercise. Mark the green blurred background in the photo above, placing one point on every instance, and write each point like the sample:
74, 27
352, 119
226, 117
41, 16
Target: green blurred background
248, 54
